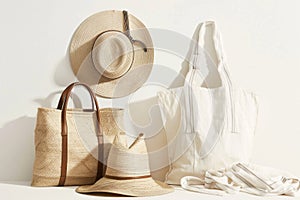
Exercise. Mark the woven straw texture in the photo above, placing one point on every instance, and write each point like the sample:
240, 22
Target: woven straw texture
83, 64
131, 164
82, 162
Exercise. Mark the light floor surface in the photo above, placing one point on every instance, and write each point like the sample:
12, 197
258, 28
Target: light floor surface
23, 190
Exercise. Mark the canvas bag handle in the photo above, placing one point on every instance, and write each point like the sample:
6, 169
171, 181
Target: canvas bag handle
198, 51
222, 69
197, 69
62, 105
194, 80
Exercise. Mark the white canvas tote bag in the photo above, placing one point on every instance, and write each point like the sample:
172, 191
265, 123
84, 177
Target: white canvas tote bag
209, 122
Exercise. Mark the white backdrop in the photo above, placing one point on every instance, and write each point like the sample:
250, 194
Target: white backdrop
261, 39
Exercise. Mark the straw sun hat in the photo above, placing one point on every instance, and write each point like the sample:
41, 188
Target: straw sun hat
112, 51
127, 171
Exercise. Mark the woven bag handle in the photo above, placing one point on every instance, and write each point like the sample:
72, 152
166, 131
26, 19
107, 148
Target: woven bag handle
62, 105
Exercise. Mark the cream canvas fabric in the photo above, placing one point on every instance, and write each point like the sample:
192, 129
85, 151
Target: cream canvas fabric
249, 178
209, 122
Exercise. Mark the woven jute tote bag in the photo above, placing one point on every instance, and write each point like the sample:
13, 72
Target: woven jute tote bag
70, 144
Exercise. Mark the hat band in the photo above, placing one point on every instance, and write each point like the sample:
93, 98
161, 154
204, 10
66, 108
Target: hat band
117, 162
127, 31
127, 178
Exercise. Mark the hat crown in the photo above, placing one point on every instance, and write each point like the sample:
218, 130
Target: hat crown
128, 171
128, 161
104, 56
112, 54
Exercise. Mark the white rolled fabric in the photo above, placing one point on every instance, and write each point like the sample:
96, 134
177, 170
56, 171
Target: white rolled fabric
252, 179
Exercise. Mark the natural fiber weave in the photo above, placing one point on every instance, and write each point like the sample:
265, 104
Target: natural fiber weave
126, 72
81, 165
128, 171
111, 123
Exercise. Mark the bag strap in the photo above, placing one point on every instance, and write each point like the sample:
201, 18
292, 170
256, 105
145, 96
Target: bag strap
196, 184
199, 58
196, 74
199, 54
62, 105
238, 178
217, 40
63, 97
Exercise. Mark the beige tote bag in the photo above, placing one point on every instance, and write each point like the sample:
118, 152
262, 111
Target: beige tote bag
209, 122
63, 137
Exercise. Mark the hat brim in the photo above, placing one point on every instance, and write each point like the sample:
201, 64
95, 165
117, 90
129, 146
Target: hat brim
130, 187
81, 46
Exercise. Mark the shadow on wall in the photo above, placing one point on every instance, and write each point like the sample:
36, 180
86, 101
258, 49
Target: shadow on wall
17, 136
145, 117
51, 101
17, 149
64, 75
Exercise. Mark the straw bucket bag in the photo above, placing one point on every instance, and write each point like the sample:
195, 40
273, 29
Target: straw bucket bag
70, 148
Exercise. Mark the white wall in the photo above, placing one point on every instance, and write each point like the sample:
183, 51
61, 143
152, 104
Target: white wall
261, 38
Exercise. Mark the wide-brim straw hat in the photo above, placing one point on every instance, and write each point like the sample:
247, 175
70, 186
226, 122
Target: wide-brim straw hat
112, 51
127, 172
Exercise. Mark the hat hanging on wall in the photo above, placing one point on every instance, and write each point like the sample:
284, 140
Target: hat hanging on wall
128, 171
112, 51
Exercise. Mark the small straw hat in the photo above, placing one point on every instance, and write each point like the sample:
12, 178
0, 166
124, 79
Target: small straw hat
112, 51
128, 171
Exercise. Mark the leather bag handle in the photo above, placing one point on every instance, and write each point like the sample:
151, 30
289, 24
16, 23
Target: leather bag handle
63, 95
62, 105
